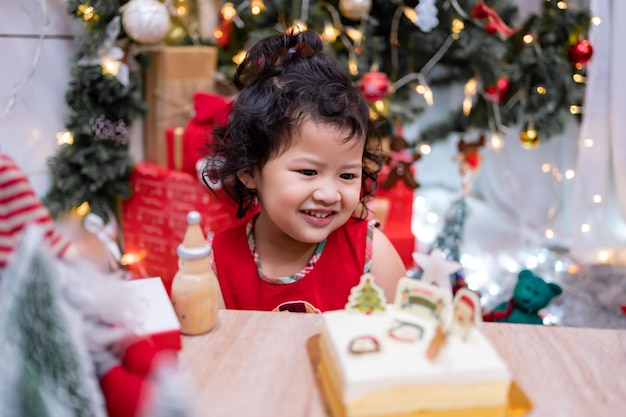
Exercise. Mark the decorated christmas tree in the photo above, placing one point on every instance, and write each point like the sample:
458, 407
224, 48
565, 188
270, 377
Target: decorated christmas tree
528, 73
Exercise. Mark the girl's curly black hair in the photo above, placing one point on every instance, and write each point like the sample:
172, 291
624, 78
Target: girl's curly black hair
284, 80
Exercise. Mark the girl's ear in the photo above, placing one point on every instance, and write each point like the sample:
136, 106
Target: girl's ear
247, 179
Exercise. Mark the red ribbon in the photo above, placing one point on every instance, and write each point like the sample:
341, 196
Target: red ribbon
494, 21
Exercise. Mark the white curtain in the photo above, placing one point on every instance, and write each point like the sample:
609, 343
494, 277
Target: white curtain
601, 167
570, 192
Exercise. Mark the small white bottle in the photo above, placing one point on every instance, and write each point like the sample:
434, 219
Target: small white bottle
195, 289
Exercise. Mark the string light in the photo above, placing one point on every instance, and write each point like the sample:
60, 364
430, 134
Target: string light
330, 33
574, 109
528, 38
596, 20
228, 11
605, 256
597, 198
380, 106
470, 91
239, 57
426, 92
579, 78
352, 66
585, 228
541, 90
561, 5
425, 149
411, 14
110, 66
432, 218
65, 137
88, 13
83, 209
354, 34
457, 27
545, 168
132, 258
496, 141
588, 143
549, 233
570, 173
257, 7
298, 26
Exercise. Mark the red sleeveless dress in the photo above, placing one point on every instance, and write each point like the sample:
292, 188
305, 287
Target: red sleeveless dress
344, 258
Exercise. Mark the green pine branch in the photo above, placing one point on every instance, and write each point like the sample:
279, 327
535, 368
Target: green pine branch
94, 168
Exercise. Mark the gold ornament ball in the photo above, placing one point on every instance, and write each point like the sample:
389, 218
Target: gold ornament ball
529, 137
355, 9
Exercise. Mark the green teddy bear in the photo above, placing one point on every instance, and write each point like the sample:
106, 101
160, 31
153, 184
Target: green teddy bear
530, 295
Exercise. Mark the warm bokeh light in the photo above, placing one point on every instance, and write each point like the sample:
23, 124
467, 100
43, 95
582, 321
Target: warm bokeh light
411, 14
83, 209
65, 137
228, 11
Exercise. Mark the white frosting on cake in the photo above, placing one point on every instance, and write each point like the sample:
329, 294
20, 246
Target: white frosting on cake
469, 364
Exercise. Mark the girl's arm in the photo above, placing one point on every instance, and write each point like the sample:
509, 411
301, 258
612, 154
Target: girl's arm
387, 266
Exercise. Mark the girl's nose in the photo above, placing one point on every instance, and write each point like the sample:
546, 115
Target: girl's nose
327, 193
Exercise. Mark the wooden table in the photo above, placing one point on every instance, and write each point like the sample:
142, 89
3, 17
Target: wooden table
255, 364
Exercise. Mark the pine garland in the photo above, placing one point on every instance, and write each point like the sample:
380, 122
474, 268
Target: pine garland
473, 53
94, 168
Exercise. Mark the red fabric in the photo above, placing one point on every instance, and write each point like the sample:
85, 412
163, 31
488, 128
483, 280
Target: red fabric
142, 357
326, 287
473, 160
500, 315
125, 392
154, 219
210, 110
398, 225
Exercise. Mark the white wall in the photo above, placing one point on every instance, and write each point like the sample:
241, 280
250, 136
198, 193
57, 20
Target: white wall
34, 77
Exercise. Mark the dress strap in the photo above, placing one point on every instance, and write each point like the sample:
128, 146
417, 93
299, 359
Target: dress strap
371, 225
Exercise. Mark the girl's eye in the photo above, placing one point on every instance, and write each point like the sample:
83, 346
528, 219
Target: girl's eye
347, 176
308, 172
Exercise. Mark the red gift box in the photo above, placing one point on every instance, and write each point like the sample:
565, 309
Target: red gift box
185, 146
154, 218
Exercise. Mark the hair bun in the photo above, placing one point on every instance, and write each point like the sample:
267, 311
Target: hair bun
270, 53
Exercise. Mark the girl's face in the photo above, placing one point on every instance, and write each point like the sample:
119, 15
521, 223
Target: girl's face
312, 188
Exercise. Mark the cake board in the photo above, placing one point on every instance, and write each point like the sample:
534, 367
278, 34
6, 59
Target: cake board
518, 404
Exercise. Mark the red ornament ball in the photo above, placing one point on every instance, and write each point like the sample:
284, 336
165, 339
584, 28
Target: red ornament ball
580, 53
374, 86
498, 92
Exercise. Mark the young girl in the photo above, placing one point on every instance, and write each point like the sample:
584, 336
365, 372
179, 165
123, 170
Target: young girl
297, 144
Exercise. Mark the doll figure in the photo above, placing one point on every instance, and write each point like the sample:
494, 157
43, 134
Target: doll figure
400, 160
469, 158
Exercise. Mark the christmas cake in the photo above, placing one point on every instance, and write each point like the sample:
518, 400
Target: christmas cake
421, 355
